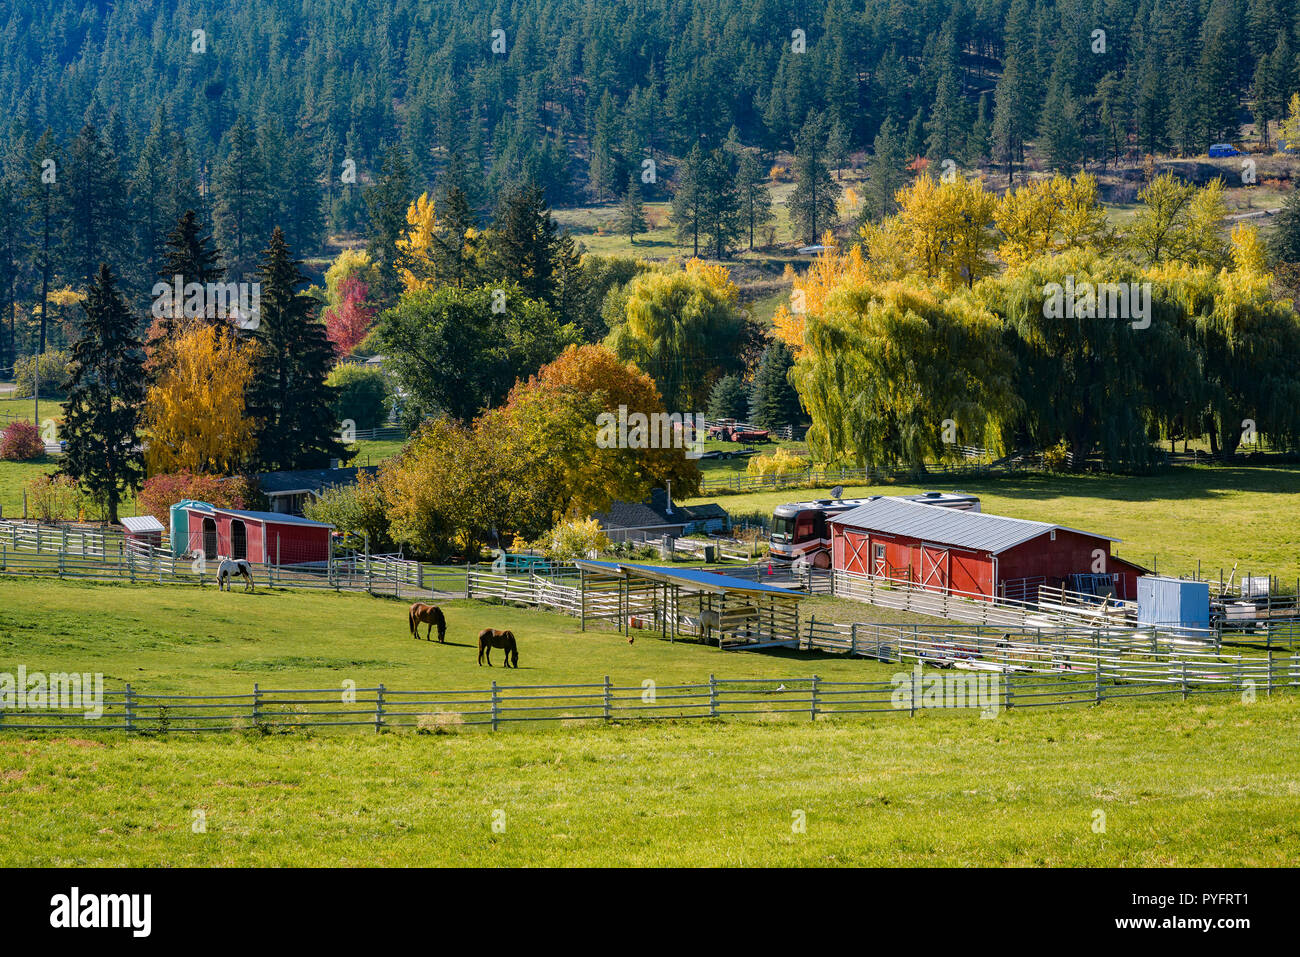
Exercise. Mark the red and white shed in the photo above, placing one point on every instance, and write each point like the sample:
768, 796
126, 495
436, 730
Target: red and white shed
269, 538
970, 553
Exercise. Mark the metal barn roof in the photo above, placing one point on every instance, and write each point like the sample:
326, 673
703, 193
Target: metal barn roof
694, 579
946, 526
271, 518
139, 524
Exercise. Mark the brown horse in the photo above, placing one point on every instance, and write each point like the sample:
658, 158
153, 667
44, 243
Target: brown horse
427, 615
490, 638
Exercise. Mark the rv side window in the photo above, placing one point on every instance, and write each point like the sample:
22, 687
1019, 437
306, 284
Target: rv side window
804, 528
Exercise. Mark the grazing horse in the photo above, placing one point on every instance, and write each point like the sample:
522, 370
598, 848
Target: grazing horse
490, 638
430, 615
228, 568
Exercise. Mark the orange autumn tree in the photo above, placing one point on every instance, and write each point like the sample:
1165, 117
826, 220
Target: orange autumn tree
554, 420
194, 415
828, 271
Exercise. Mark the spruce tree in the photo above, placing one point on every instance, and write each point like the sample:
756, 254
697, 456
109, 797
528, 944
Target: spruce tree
101, 421
729, 399
720, 202
289, 397
774, 401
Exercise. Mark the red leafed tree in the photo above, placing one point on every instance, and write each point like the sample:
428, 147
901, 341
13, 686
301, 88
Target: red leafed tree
347, 323
161, 492
20, 441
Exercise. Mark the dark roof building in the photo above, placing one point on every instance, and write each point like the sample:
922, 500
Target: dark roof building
287, 492
660, 516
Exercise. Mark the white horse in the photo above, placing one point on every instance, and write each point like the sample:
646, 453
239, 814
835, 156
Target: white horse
227, 568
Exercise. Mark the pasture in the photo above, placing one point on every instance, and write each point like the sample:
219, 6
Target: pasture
1210, 781
1217, 514
1195, 784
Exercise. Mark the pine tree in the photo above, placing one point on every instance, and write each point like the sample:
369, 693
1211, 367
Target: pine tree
886, 174
95, 214
631, 213
755, 199
101, 421
386, 204
720, 202
812, 202
774, 401
289, 397
243, 204
523, 243
42, 194
688, 196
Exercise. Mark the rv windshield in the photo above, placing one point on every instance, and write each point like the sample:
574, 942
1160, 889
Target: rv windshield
782, 528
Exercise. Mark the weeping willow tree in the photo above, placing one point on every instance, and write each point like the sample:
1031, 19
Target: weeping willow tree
894, 374
1247, 347
1100, 359
684, 328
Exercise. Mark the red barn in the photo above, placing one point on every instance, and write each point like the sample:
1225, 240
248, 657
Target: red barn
970, 553
268, 538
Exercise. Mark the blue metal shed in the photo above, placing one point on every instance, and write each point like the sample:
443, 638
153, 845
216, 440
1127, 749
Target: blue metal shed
1173, 602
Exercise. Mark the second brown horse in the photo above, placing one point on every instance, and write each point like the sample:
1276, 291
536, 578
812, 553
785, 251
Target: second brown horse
490, 638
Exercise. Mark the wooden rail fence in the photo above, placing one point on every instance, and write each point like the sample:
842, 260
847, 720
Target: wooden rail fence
381, 708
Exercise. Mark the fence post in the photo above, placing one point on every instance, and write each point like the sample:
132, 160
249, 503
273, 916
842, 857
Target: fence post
713, 696
257, 706
853, 639
1184, 679
1270, 672
813, 699
1097, 671
379, 709
130, 709
496, 706
1010, 694
607, 701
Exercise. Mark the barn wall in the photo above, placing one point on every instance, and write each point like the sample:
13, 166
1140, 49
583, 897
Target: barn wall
1071, 553
255, 539
946, 568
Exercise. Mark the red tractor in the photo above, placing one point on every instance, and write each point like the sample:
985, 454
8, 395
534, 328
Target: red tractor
732, 432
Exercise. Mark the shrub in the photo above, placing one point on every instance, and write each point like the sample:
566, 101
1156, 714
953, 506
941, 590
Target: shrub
781, 462
356, 510
53, 498
54, 369
21, 441
1057, 458
574, 539
161, 492
362, 395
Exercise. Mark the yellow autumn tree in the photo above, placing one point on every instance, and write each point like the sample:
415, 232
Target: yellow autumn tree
942, 230
416, 248
1051, 216
194, 415
808, 292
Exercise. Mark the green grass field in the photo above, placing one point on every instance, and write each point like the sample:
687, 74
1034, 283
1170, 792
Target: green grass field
1217, 515
1195, 784
1206, 782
